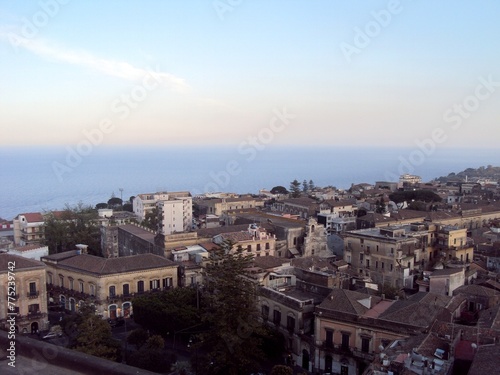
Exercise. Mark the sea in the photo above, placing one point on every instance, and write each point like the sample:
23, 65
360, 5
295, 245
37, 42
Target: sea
38, 179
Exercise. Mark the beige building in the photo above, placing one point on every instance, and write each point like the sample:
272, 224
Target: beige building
23, 279
29, 229
111, 283
315, 242
255, 240
219, 206
395, 254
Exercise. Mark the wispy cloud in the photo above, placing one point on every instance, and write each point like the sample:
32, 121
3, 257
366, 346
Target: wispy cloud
113, 68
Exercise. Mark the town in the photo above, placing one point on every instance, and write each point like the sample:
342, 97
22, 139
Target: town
392, 277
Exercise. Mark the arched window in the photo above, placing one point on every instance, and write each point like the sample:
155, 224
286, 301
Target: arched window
112, 311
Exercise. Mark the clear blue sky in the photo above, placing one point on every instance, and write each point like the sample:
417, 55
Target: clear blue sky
221, 71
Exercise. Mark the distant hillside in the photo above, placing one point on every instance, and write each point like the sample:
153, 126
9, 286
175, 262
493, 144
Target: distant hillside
472, 174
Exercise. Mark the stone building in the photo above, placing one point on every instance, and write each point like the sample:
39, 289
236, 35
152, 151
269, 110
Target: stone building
24, 281
73, 277
315, 240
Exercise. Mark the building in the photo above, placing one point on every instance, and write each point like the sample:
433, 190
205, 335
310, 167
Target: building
74, 277
218, 206
34, 251
407, 180
24, 293
174, 209
255, 240
302, 207
29, 229
352, 328
315, 240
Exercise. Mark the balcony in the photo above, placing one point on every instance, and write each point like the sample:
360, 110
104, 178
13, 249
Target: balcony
336, 349
32, 295
363, 355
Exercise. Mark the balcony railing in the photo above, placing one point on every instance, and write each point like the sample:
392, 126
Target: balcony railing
32, 295
363, 355
335, 348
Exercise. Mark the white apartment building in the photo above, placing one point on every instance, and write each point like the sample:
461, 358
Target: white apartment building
174, 208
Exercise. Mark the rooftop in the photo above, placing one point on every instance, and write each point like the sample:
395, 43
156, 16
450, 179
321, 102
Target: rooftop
20, 263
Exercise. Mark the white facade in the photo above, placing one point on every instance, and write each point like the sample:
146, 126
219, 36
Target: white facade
31, 251
175, 210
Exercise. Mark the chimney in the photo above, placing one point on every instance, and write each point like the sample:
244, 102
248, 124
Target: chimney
82, 249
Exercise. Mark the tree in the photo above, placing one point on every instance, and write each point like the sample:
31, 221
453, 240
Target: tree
75, 225
98, 206
231, 342
137, 337
151, 220
279, 190
311, 185
114, 202
305, 186
380, 207
94, 336
167, 312
295, 188
128, 207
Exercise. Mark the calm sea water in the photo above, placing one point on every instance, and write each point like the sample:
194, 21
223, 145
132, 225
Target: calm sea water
38, 179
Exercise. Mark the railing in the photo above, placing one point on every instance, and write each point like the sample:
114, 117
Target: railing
335, 348
32, 295
363, 355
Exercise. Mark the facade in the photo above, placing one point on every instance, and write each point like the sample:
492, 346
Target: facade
256, 240
302, 207
25, 280
395, 254
175, 210
218, 206
29, 229
34, 251
73, 277
315, 240
445, 281
352, 328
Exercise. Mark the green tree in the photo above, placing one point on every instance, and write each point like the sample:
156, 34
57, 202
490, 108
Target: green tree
94, 336
279, 190
305, 186
114, 202
380, 207
151, 220
137, 337
74, 225
128, 207
311, 185
295, 188
231, 343
167, 312
98, 206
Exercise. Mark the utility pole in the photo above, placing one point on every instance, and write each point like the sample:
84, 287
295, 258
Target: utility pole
121, 194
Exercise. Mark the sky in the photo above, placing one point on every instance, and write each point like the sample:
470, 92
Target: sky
292, 72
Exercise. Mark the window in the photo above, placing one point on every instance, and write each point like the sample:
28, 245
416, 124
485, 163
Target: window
365, 345
265, 312
154, 284
267, 245
345, 341
277, 317
258, 247
33, 289
61, 281
92, 289
140, 286
70, 283
368, 263
34, 308
249, 248
382, 265
80, 286
361, 257
112, 291
329, 338
167, 282
290, 323
126, 290
391, 267
376, 264
49, 278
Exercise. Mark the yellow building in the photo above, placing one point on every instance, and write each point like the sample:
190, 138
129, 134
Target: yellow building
110, 283
23, 280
